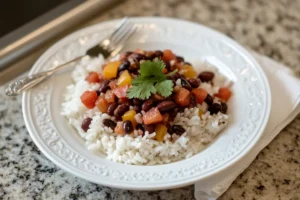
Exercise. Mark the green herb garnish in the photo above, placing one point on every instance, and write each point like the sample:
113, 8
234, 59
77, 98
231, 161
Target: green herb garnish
151, 80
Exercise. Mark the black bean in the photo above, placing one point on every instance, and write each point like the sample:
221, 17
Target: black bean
124, 65
206, 76
187, 63
224, 108
193, 100
179, 59
177, 129
147, 105
166, 106
127, 126
104, 86
137, 108
159, 53
109, 123
209, 100
98, 93
185, 84
214, 108
138, 56
127, 53
176, 76
124, 101
140, 127
86, 124
121, 109
150, 128
137, 101
111, 109
194, 82
173, 112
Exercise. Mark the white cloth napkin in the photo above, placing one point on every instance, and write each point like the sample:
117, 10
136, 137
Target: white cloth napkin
285, 90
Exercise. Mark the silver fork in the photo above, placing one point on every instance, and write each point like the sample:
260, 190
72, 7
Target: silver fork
108, 47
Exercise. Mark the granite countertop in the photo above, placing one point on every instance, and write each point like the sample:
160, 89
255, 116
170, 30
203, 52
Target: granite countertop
269, 27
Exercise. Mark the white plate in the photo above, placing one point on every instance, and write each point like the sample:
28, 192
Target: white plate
249, 107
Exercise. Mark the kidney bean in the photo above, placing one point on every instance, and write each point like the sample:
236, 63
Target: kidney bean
194, 82
98, 93
127, 126
138, 56
168, 65
125, 101
159, 53
224, 108
109, 123
104, 86
185, 84
177, 129
140, 127
179, 59
137, 108
125, 65
111, 109
127, 53
137, 101
86, 124
193, 100
209, 100
147, 105
206, 76
176, 76
173, 112
121, 109
150, 128
214, 108
166, 106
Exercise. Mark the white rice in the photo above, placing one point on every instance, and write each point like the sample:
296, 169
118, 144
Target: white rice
136, 149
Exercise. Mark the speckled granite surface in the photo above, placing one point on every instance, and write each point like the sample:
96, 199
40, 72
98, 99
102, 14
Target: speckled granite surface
269, 27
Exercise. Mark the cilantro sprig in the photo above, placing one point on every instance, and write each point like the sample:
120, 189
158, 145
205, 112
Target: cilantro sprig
151, 80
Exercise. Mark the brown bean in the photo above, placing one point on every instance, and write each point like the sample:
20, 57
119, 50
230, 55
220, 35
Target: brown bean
177, 129
179, 59
166, 106
127, 126
173, 112
121, 109
86, 124
194, 82
125, 65
214, 108
138, 56
147, 105
109, 123
158, 53
111, 109
137, 101
206, 76
185, 84
224, 108
137, 108
193, 100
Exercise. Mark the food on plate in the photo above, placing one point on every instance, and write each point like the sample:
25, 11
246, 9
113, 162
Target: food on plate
146, 107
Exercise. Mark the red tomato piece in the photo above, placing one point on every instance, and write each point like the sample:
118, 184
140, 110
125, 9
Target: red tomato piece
121, 92
102, 104
92, 77
200, 94
113, 85
110, 97
224, 93
88, 99
182, 97
152, 116
168, 55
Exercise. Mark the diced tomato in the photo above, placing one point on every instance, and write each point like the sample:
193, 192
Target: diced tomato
200, 94
182, 97
92, 77
165, 118
119, 128
102, 104
110, 97
113, 84
168, 55
121, 92
165, 71
152, 116
88, 99
224, 93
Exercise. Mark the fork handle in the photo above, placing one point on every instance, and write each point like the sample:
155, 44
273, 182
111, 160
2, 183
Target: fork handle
25, 83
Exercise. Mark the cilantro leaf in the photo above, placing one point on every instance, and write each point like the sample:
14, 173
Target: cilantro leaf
164, 88
151, 80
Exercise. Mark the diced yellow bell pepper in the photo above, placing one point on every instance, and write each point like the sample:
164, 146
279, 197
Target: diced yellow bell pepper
124, 79
200, 112
129, 115
111, 69
189, 72
161, 131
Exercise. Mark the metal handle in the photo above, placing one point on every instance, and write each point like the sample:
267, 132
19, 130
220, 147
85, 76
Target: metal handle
19, 86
